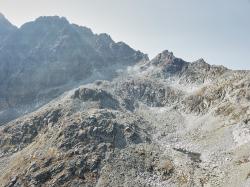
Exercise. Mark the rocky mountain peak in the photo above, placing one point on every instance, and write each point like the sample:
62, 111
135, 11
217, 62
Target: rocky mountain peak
4, 22
6, 27
105, 38
52, 19
45, 22
166, 57
167, 53
58, 56
201, 63
201, 60
168, 63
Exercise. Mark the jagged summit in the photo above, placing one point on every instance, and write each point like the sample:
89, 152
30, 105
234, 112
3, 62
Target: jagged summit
4, 22
164, 57
201, 60
45, 21
105, 37
168, 57
58, 56
6, 28
50, 19
167, 53
168, 63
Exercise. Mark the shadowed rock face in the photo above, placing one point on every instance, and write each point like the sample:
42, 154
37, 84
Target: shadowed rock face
45, 57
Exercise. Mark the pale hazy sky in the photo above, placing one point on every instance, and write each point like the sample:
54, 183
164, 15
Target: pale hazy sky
216, 30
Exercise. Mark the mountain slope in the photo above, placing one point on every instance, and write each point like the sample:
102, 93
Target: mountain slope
6, 28
164, 122
48, 56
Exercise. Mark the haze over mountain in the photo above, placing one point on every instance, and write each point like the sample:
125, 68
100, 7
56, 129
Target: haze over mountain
159, 122
45, 57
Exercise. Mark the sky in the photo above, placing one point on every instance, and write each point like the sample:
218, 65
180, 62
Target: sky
215, 30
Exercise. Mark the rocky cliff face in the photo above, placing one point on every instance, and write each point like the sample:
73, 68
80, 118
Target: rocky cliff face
45, 57
160, 122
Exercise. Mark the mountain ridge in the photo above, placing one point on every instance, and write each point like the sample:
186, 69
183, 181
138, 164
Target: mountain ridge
141, 128
159, 122
5, 28
55, 54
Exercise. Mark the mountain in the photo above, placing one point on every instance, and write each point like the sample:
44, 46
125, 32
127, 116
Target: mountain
6, 28
43, 58
160, 122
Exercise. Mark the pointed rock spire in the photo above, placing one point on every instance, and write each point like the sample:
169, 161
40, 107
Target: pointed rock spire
164, 57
